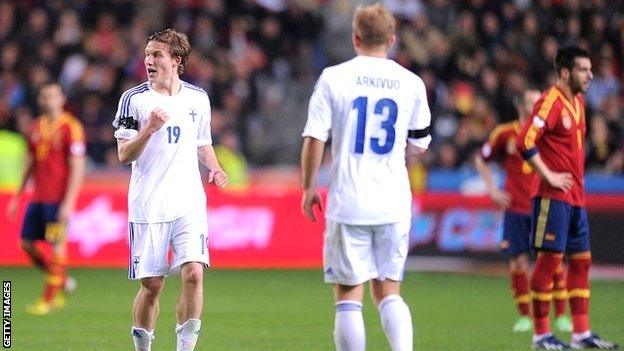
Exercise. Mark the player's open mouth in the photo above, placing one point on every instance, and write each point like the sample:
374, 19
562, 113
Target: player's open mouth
151, 71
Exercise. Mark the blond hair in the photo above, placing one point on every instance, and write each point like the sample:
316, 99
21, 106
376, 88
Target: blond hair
177, 45
374, 25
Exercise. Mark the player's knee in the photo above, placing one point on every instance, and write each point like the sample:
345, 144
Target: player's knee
28, 246
192, 274
521, 263
153, 285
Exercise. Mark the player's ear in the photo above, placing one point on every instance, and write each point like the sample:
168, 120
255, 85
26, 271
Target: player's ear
391, 40
357, 41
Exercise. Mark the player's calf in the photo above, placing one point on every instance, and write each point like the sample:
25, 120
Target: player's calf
396, 321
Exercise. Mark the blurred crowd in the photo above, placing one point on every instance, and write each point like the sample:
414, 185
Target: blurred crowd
259, 59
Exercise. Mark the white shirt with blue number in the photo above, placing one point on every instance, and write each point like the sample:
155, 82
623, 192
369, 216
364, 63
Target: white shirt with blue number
165, 182
370, 105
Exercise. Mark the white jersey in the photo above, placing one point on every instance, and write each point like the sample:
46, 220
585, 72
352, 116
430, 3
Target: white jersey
165, 182
371, 105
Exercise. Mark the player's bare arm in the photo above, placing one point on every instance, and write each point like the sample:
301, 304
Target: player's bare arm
559, 180
13, 202
215, 172
129, 150
77, 168
413, 151
311, 155
500, 197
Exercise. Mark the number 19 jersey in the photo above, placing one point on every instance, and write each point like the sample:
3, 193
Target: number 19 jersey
372, 107
165, 183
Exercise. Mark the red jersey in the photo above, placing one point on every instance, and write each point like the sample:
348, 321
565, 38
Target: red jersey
50, 144
520, 175
557, 130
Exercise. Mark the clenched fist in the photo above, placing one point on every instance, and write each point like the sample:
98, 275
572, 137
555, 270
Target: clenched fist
157, 118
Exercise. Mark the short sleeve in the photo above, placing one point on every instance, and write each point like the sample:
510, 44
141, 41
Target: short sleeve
126, 118
492, 147
319, 111
419, 133
546, 112
76, 140
204, 136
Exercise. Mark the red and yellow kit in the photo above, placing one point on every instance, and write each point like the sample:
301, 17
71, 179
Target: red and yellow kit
502, 143
51, 143
557, 130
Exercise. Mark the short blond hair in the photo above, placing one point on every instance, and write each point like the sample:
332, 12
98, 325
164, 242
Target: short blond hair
177, 44
374, 25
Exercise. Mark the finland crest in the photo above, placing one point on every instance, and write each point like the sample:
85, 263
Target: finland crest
192, 113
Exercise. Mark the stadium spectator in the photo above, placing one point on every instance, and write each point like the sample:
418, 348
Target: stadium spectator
91, 49
559, 222
56, 163
163, 129
369, 202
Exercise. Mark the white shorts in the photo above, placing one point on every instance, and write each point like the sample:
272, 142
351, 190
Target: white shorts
355, 254
187, 237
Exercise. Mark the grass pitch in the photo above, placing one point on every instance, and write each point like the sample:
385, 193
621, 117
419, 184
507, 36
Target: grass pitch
285, 310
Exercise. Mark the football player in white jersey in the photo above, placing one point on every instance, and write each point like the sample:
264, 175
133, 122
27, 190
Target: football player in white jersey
376, 111
163, 129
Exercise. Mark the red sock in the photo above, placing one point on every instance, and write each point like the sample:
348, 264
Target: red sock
578, 290
541, 289
55, 279
560, 291
520, 291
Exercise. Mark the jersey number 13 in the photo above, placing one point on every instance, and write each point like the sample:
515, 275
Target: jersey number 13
360, 104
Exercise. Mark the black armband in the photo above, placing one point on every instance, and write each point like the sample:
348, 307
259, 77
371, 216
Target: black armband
418, 133
128, 123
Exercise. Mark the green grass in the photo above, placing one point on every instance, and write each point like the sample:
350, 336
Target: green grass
285, 310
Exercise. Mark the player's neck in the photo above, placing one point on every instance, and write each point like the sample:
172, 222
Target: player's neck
169, 87
54, 115
565, 88
378, 51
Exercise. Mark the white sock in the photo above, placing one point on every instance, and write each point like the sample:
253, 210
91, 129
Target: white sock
187, 334
576, 337
396, 321
349, 333
142, 339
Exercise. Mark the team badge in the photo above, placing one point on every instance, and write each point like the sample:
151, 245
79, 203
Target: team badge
566, 120
135, 263
193, 113
511, 146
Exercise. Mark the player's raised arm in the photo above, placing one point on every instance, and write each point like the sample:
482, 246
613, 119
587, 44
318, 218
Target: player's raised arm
129, 149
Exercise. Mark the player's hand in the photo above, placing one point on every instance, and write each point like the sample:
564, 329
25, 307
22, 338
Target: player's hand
501, 198
310, 198
562, 181
218, 177
157, 118
11, 208
64, 212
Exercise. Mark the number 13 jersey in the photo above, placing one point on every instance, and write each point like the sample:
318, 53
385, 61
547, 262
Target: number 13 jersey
371, 106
